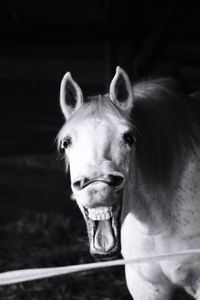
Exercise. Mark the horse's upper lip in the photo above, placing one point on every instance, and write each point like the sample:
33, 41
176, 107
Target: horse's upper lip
95, 180
114, 179
117, 184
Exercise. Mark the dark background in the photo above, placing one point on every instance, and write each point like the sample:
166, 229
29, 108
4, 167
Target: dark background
39, 42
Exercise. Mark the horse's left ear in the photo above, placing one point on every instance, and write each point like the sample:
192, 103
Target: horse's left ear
71, 97
121, 92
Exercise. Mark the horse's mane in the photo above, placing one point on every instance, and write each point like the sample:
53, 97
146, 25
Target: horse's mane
167, 125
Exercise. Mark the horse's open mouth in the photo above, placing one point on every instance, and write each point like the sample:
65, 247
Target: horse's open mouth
103, 224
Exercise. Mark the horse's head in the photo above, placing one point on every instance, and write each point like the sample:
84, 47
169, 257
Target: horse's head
97, 139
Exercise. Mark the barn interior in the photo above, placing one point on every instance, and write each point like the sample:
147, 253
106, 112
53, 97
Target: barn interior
40, 41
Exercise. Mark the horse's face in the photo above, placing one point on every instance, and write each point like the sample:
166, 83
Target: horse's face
97, 139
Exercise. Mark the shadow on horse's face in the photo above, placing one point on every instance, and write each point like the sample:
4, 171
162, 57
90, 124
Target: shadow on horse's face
98, 139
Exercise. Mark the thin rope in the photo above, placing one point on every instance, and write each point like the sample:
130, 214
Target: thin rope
24, 275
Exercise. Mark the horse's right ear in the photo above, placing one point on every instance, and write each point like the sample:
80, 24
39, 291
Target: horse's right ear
71, 97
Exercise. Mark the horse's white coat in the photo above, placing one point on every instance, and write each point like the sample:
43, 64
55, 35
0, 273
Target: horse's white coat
153, 221
163, 228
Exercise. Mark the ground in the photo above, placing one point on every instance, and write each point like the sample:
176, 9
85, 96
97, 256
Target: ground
45, 240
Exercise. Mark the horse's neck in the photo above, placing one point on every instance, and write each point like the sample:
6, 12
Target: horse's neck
186, 199
155, 208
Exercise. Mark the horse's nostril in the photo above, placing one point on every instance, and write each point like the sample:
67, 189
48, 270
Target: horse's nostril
116, 180
77, 185
80, 184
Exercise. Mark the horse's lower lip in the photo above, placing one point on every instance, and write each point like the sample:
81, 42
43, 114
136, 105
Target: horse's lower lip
106, 256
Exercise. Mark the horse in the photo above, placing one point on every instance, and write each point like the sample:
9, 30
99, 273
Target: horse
134, 162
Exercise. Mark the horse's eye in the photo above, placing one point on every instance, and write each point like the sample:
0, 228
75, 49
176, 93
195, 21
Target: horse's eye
129, 138
67, 142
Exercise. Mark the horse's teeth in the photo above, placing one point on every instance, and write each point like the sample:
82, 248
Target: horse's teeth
101, 209
108, 215
92, 216
100, 213
98, 217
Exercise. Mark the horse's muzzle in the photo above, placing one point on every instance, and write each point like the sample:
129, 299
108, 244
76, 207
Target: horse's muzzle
101, 200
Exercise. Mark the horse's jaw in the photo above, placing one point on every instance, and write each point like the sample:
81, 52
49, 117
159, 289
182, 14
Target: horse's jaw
103, 227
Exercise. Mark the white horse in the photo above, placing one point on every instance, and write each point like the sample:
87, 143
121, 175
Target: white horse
134, 162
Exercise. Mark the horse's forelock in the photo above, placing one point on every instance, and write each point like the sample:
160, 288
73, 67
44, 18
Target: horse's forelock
99, 106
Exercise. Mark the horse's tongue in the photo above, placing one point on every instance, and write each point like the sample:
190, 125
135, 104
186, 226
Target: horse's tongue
104, 239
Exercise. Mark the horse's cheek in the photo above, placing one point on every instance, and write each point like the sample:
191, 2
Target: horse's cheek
124, 161
74, 163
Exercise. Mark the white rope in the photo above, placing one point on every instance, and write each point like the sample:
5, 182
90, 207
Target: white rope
40, 273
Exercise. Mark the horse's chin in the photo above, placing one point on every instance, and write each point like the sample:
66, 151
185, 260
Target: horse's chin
104, 233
